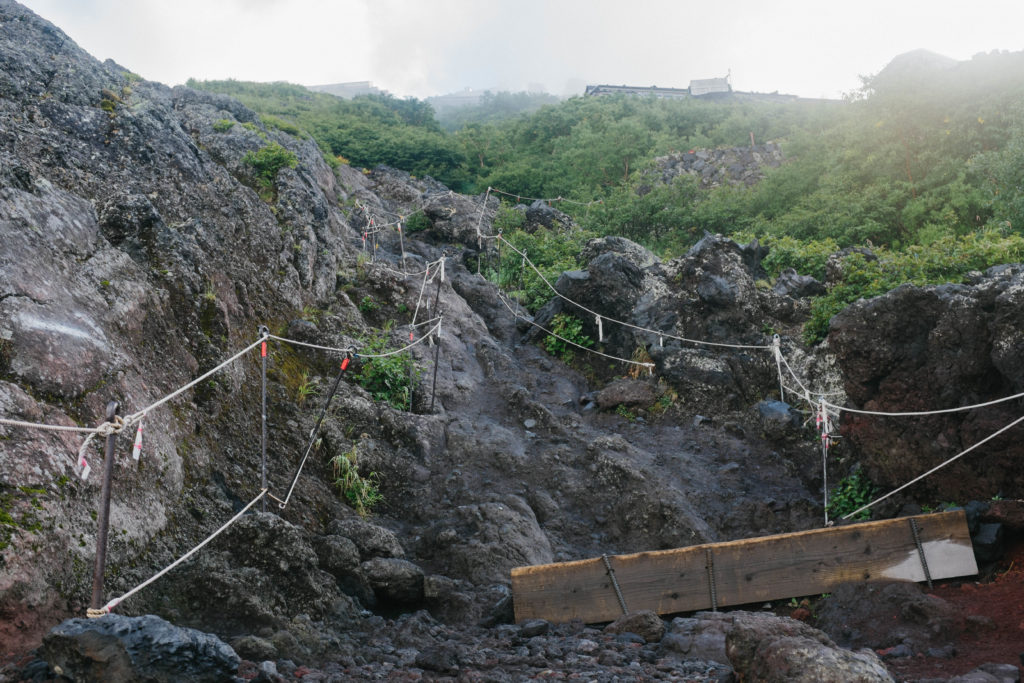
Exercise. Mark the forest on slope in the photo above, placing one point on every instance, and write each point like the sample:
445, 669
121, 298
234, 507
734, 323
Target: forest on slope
924, 165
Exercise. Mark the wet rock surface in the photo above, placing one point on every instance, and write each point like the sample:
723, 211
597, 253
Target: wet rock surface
931, 348
140, 252
126, 649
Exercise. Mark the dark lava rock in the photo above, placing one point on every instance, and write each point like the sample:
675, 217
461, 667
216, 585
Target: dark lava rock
632, 393
699, 637
262, 571
372, 540
930, 348
778, 419
884, 614
534, 627
988, 542
540, 214
394, 581
115, 649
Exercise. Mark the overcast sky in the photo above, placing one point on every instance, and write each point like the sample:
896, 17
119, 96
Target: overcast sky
813, 48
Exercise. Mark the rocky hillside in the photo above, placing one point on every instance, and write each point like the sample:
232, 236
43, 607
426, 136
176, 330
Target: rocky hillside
142, 247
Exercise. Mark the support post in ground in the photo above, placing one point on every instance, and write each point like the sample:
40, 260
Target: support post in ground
103, 517
264, 332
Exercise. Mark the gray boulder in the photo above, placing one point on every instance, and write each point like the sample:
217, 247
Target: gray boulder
372, 540
763, 647
777, 418
646, 624
789, 283
633, 393
483, 542
394, 581
147, 649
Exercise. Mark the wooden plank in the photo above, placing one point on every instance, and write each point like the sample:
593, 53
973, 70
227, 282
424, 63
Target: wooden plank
746, 571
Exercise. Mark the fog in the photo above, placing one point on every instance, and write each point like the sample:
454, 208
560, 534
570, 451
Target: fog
429, 47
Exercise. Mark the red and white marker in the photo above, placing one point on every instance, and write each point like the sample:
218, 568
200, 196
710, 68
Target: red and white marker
137, 448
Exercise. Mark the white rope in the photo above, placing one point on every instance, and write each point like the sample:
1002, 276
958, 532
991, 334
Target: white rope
355, 352
480, 220
879, 413
46, 427
383, 266
922, 413
936, 468
116, 601
649, 366
520, 198
435, 329
121, 423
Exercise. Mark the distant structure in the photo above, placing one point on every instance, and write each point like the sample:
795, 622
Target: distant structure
702, 87
652, 91
707, 86
698, 88
348, 90
463, 98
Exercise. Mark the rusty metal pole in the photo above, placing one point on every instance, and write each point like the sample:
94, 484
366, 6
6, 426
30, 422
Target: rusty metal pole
103, 518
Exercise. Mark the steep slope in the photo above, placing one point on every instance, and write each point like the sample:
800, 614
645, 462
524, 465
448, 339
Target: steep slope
141, 250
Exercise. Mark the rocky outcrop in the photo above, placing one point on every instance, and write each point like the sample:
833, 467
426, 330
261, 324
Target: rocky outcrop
723, 166
934, 348
709, 294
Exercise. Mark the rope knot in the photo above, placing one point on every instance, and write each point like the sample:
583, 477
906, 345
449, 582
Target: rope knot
96, 613
114, 427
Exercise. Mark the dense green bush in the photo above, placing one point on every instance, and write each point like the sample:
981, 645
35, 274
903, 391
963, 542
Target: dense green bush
806, 258
267, 161
570, 336
851, 493
945, 260
552, 251
418, 222
388, 379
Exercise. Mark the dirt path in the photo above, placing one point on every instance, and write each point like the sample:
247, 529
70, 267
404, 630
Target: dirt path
1000, 599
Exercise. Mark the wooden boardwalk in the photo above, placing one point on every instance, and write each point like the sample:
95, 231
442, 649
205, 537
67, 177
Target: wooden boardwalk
752, 570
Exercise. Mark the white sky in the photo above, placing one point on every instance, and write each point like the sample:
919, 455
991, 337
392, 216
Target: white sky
813, 48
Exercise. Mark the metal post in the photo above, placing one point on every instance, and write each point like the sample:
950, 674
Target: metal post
264, 331
103, 518
437, 356
437, 348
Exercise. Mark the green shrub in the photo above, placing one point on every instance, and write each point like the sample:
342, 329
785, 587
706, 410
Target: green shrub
223, 125
418, 222
851, 493
805, 257
945, 260
551, 251
569, 328
271, 121
361, 493
267, 161
390, 378
367, 304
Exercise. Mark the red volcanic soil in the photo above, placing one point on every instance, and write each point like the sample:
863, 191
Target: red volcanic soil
1000, 598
